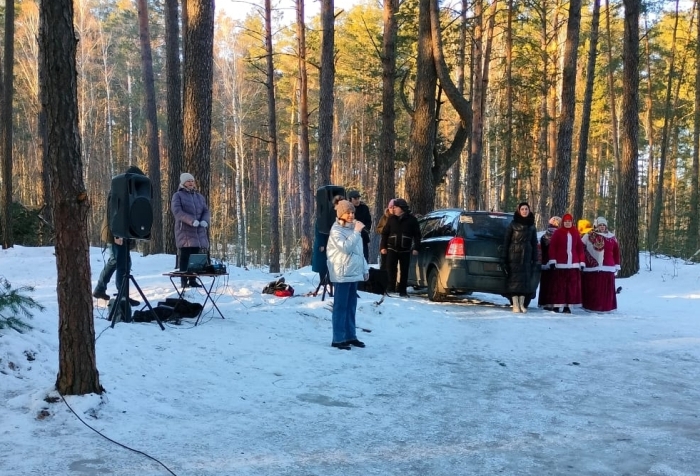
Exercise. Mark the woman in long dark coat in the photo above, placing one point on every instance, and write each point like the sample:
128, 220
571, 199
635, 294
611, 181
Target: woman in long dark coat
520, 247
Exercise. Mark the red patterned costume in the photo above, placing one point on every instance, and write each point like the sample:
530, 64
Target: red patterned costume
567, 255
602, 263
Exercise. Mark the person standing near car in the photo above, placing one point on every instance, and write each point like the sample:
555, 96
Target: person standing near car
566, 258
547, 277
388, 212
362, 214
520, 259
400, 239
346, 267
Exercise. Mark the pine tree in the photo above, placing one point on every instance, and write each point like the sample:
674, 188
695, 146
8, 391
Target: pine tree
14, 306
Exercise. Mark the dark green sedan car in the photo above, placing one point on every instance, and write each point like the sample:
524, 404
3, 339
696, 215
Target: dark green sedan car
460, 253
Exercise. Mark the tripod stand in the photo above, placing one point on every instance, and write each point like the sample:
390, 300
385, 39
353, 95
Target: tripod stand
122, 299
327, 286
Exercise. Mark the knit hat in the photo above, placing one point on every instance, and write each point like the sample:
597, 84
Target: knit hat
401, 203
185, 177
601, 221
555, 221
344, 207
567, 217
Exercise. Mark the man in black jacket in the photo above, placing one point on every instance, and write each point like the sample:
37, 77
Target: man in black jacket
400, 238
363, 215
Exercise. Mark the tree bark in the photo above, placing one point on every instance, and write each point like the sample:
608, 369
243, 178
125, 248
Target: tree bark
156, 243
305, 192
628, 215
175, 144
198, 83
560, 189
273, 189
6, 109
77, 372
586, 114
326, 93
693, 233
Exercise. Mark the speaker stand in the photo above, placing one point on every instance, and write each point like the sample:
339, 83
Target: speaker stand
327, 286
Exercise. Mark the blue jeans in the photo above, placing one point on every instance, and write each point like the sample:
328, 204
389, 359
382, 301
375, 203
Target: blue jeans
344, 307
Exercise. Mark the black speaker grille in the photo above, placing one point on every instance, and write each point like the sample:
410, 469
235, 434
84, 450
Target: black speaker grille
141, 218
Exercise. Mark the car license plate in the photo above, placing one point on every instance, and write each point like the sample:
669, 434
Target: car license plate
494, 267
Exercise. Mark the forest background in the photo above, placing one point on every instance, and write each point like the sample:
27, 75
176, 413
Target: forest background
544, 80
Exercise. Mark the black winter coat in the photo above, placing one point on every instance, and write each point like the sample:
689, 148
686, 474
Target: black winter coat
363, 214
401, 233
520, 246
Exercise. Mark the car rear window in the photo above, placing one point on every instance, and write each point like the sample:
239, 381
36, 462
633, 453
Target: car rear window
484, 226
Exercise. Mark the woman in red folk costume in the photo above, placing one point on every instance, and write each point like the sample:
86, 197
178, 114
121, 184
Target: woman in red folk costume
543, 296
602, 263
566, 258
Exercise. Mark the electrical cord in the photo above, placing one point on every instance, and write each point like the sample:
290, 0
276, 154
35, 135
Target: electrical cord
116, 442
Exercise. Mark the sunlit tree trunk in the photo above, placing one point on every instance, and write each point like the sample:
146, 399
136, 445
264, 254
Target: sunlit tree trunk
6, 109
326, 93
693, 234
305, 193
562, 174
506, 202
628, 216
77, 367
156, 244
197, 90
273, 189
586, 115
655, 221
174, 113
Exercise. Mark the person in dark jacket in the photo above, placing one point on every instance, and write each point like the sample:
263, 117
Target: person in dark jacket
400, 239
119, 259
192, 220
362, 214
388, 212
520, 259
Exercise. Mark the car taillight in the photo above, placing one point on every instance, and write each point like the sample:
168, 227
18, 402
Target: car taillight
455, 248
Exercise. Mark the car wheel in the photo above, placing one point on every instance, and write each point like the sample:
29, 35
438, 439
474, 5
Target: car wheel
433, 287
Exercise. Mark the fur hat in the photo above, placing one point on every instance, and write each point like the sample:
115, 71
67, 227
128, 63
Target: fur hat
555, 221
185, 177
601, 221
344, 207
401, 203
567, 217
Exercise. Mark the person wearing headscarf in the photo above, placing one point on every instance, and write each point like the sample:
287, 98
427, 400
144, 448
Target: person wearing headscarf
602, 255
347, 266
546, 277
388, 212
400, 238
520, 258
566, 258
192, 219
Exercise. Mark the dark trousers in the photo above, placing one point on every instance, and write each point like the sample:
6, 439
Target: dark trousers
123, 257
398, 261
184, 260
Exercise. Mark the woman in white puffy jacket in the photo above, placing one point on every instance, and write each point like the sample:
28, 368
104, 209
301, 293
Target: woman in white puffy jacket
346, 267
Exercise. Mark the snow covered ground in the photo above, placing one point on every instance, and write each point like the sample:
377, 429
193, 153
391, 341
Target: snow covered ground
459, 388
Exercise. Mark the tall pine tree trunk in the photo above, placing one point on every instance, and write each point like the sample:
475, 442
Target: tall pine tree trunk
6, 109
273, 188
77, 366
560, 187
174, 141
156, 244
628, 215
305, 192
325, 106
693, 234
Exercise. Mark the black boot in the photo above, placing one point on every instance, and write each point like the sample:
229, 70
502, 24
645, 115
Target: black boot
567, 310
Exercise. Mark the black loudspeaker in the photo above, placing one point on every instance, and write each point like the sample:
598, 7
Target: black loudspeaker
130, 208
325, 213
